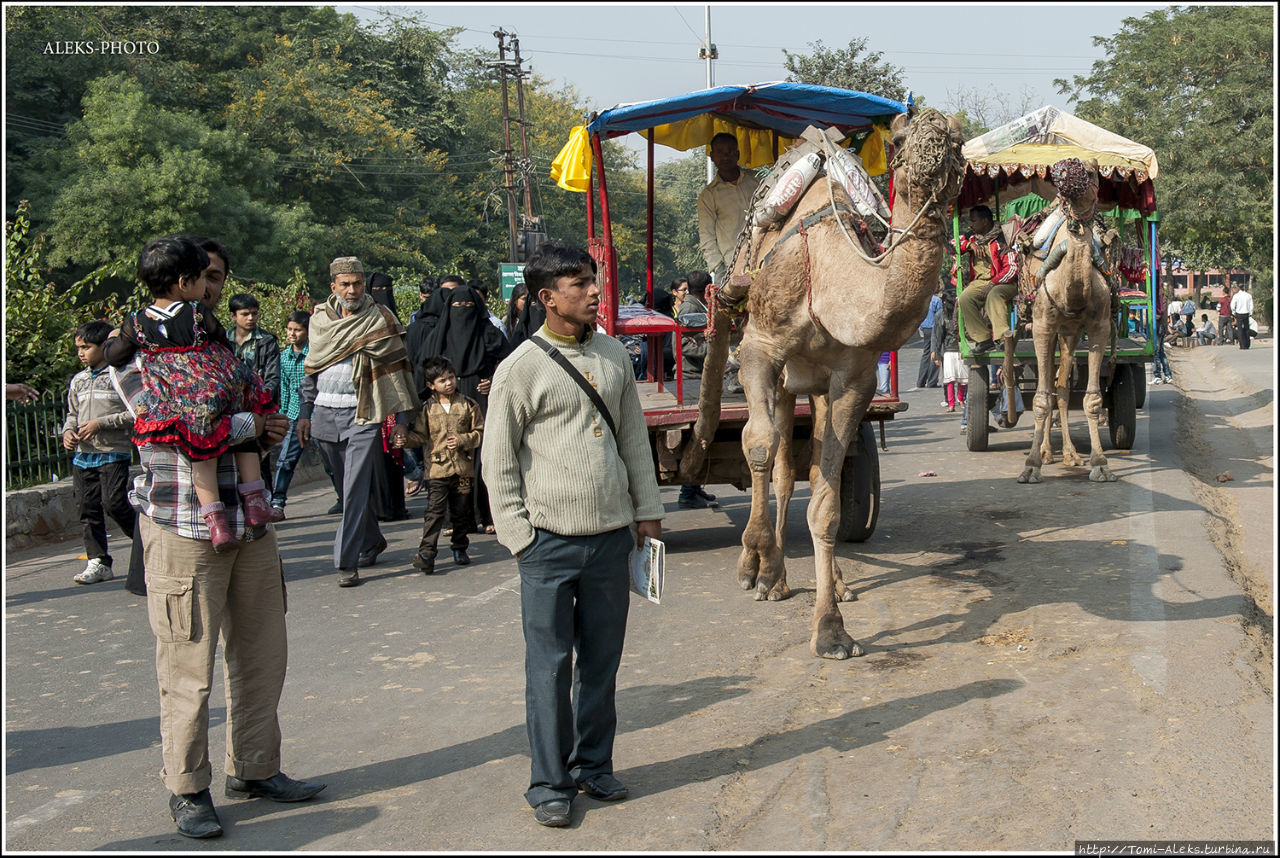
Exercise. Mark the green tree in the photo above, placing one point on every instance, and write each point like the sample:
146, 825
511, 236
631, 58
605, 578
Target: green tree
1196, 84
848, 68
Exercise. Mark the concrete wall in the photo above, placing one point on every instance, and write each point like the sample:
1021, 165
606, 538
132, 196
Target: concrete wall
48, 513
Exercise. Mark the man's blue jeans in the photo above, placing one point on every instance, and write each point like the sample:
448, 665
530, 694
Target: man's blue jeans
574, 595
290, 453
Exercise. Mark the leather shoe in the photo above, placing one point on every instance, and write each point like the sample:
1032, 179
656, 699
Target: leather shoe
553, 814
426, 564
604, 787
460, 557
336, 509
983, 347
370, 557
695, 502
195, 815
348, 578
278, 787
706, 495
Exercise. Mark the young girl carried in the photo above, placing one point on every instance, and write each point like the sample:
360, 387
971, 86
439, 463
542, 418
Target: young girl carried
193, 383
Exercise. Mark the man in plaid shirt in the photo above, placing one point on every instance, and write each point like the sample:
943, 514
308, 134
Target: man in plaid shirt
193, 595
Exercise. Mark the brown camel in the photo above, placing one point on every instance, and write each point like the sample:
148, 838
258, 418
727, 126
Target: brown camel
1073, 299
820, 315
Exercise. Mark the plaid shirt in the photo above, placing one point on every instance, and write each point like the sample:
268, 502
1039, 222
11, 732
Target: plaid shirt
165, 491
291, 376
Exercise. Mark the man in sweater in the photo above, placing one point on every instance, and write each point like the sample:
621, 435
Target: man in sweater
565, 493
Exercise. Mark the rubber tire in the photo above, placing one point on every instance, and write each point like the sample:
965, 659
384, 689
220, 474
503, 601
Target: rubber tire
860, 488
1122, 417
1139, 374
976, 403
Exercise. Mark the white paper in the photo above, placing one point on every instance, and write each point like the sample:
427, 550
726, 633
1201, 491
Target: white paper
648, 567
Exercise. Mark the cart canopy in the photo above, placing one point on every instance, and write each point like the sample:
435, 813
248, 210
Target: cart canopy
751, 113
1016, 158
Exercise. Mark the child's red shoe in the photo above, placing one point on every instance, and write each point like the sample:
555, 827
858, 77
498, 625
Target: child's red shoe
257, 511
215, 516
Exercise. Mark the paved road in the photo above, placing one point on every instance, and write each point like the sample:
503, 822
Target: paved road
1044, 663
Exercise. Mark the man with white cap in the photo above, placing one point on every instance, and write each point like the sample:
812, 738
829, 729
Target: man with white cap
357, 374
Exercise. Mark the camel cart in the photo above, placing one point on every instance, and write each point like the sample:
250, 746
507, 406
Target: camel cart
1007, 169
765, 118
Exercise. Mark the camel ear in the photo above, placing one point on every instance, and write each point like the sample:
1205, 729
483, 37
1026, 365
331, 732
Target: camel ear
1093, 165
898, 129
953, 124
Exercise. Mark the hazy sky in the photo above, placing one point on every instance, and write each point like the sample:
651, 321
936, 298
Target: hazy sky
618, 53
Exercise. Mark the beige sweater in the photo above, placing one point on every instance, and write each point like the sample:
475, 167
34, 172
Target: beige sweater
549, 458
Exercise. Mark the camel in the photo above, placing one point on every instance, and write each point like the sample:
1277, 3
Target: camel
820, 314
1073, 298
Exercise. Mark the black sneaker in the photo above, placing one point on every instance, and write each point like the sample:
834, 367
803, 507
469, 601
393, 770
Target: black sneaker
695, 502
553, 814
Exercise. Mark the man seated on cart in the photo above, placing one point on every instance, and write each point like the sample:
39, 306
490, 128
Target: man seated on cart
991, 282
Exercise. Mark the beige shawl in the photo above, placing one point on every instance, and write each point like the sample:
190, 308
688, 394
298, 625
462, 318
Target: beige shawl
375, 340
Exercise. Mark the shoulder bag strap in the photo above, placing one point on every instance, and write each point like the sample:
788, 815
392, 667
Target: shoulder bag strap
555, 355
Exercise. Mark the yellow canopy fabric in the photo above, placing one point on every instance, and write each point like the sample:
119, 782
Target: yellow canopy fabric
572, 167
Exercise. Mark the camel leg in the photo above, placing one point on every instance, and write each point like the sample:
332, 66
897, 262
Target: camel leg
784, 485
1098, 470
1042, 408
818, 408
1070, 456
760, 565
848, 402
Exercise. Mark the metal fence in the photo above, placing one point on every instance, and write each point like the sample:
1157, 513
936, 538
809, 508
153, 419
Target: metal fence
33, 441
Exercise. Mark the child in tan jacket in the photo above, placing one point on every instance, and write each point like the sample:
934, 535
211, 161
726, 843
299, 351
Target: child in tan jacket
450, 426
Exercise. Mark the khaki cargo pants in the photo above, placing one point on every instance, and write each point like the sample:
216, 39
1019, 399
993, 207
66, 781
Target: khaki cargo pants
193, 594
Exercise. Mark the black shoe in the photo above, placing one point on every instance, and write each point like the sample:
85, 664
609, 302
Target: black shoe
348, 578
370, 557
460, 557
426, 564
553, 814
604, 787
336, 509
983, 347
695, 502
195, 815
705, 495
278, 787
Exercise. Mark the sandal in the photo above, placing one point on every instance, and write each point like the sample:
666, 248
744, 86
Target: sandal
489, 528
412, 487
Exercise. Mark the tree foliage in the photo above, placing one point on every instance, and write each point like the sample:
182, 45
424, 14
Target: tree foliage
1196, 84
850, 67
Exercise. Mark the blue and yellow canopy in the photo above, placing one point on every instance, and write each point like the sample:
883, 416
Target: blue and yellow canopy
750, 113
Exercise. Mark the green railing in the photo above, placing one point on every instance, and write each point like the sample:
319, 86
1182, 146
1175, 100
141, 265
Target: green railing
33, 441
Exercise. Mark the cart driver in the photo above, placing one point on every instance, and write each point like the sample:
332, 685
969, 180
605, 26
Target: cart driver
991, 282
723, 205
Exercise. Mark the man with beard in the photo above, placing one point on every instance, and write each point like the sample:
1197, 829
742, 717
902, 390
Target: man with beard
990, 282
357, 374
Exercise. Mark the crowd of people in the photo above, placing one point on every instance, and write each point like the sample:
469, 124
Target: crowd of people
205, 406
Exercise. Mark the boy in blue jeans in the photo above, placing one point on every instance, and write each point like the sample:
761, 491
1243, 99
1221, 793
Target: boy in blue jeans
291, 376
97, 428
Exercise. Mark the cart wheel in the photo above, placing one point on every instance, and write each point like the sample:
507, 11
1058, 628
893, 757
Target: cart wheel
1139, 374
975, 405
860, 488
1122, 418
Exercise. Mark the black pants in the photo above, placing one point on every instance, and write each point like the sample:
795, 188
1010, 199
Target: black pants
103, 491
455, 493
573, 597
1242, 330
929, 371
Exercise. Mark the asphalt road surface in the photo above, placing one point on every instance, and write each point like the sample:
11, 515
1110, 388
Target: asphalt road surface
1044, 664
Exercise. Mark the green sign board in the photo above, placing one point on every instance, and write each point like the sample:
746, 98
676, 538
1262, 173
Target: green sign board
512, 275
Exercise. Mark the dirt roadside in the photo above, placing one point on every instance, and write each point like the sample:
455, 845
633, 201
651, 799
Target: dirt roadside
1225, 436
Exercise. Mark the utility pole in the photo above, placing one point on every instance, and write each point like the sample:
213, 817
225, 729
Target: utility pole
508, 169
708, 52
524, 136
